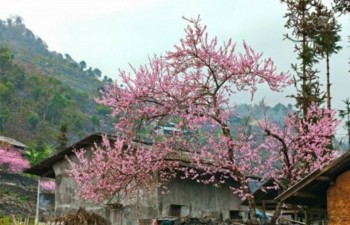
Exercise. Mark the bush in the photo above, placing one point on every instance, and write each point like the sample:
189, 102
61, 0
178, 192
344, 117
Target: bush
7, 220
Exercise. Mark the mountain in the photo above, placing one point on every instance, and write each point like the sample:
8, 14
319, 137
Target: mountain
42, 90
250, 115
261, 111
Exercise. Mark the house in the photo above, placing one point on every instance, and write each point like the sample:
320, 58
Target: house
12, 142
185, 197
326, 191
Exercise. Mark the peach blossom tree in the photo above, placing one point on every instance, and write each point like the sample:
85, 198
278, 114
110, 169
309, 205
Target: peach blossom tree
12, 159
192, 87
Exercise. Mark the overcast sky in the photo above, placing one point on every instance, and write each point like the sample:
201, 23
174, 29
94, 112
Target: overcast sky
109, 34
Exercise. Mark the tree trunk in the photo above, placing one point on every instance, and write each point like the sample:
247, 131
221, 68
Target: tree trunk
328, 83
276, 214
305, 96
252, 212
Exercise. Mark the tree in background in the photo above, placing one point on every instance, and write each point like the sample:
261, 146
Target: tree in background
300, 19
97, 72
342, 6
326, 38
62, 138
5, 115
33, 119
56, 105
6, 58
345, 114
18, 20
82, 65
107, 79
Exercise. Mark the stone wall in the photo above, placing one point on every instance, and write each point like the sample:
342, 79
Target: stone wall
17, 194
338, 201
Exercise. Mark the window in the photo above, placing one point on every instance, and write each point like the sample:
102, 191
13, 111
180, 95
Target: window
175, 210
235, 214
179, 210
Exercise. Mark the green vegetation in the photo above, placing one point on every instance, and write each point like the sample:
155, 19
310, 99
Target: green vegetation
23, 198
62, 138
345, 114
38, 153
7, 220
40, 90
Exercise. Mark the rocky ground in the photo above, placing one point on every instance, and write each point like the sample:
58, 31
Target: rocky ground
207, 221
18, 195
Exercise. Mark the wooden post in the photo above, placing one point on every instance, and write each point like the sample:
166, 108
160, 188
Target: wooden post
264, 207
37, 204
307, 216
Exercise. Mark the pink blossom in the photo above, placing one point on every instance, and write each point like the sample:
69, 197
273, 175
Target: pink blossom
116, 167
303, 145
48, 185
12, 159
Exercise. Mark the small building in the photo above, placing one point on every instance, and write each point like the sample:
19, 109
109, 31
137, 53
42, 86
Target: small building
12, 142
325, 193
185, 197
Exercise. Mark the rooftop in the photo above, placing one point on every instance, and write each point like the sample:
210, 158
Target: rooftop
13, 143
312, 190
45, 167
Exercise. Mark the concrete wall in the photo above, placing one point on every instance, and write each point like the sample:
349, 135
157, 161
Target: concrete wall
191, 198
66, 200
338, 199
199, 200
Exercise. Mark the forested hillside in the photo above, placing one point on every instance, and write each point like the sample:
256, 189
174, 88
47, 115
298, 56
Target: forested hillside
41, 90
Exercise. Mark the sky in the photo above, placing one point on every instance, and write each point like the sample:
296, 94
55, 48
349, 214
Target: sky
110, 34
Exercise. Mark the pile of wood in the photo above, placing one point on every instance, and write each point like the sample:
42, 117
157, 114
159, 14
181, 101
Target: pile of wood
191, 221
82, 217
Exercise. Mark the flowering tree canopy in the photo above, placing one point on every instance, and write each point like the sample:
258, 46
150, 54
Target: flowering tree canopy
192, 87
48, 185
303, 145
12, 160
116, 167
